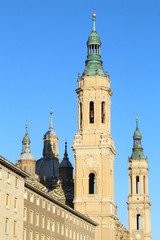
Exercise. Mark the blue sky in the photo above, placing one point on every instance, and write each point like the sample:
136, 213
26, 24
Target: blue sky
42, 49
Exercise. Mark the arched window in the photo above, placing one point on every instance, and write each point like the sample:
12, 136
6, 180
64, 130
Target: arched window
91, 112
138, 221
137, 185
91, 183
80, 115
103, 112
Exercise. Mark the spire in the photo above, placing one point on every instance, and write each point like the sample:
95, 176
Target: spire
26, 141
94, 62
27, 149
137, 151
51, 124
136, 123
26, 128
65, 153
65, 162
137, 134
50, 132
94, 21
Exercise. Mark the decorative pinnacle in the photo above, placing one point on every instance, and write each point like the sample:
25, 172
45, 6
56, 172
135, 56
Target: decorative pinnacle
136, 122
65, 153
94, 20
51, 124
26, 127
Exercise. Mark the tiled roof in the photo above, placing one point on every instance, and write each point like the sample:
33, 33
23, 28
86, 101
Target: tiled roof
58, 193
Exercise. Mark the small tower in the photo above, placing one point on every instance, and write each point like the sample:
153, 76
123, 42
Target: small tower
139, 205
66, 171
27, 161
50, 141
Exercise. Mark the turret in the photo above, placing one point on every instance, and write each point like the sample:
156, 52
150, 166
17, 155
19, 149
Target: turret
50, 141
139, 219
66, 170
27, 161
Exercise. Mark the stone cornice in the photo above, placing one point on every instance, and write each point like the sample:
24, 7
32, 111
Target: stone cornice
13, 167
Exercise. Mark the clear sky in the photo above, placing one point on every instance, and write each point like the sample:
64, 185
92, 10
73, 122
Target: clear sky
42, 49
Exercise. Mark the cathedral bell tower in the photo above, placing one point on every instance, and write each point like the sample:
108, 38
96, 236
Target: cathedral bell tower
139, 205
93, 145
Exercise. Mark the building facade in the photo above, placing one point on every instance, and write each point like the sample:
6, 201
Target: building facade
12, 181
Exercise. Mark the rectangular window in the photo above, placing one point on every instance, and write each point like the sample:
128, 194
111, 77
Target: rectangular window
37, 236
25, 214
25, 194
24, 234
15, 228
31, 197
58, 211
16, 182
6, 226
48, 224
58, 227
42, 237
7, 200
8, 177
62, 214
43, 203
74, 235
37, 201
31, 216
37, 219
15, 204
62, 229
66, 232
77, 236
43, 221
70, 233
30, 235
53, 226
53, 209
48, 207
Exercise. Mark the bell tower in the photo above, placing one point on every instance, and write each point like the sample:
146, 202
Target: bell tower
93, 146
139, 205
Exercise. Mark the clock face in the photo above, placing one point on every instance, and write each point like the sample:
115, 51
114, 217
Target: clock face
138, 236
